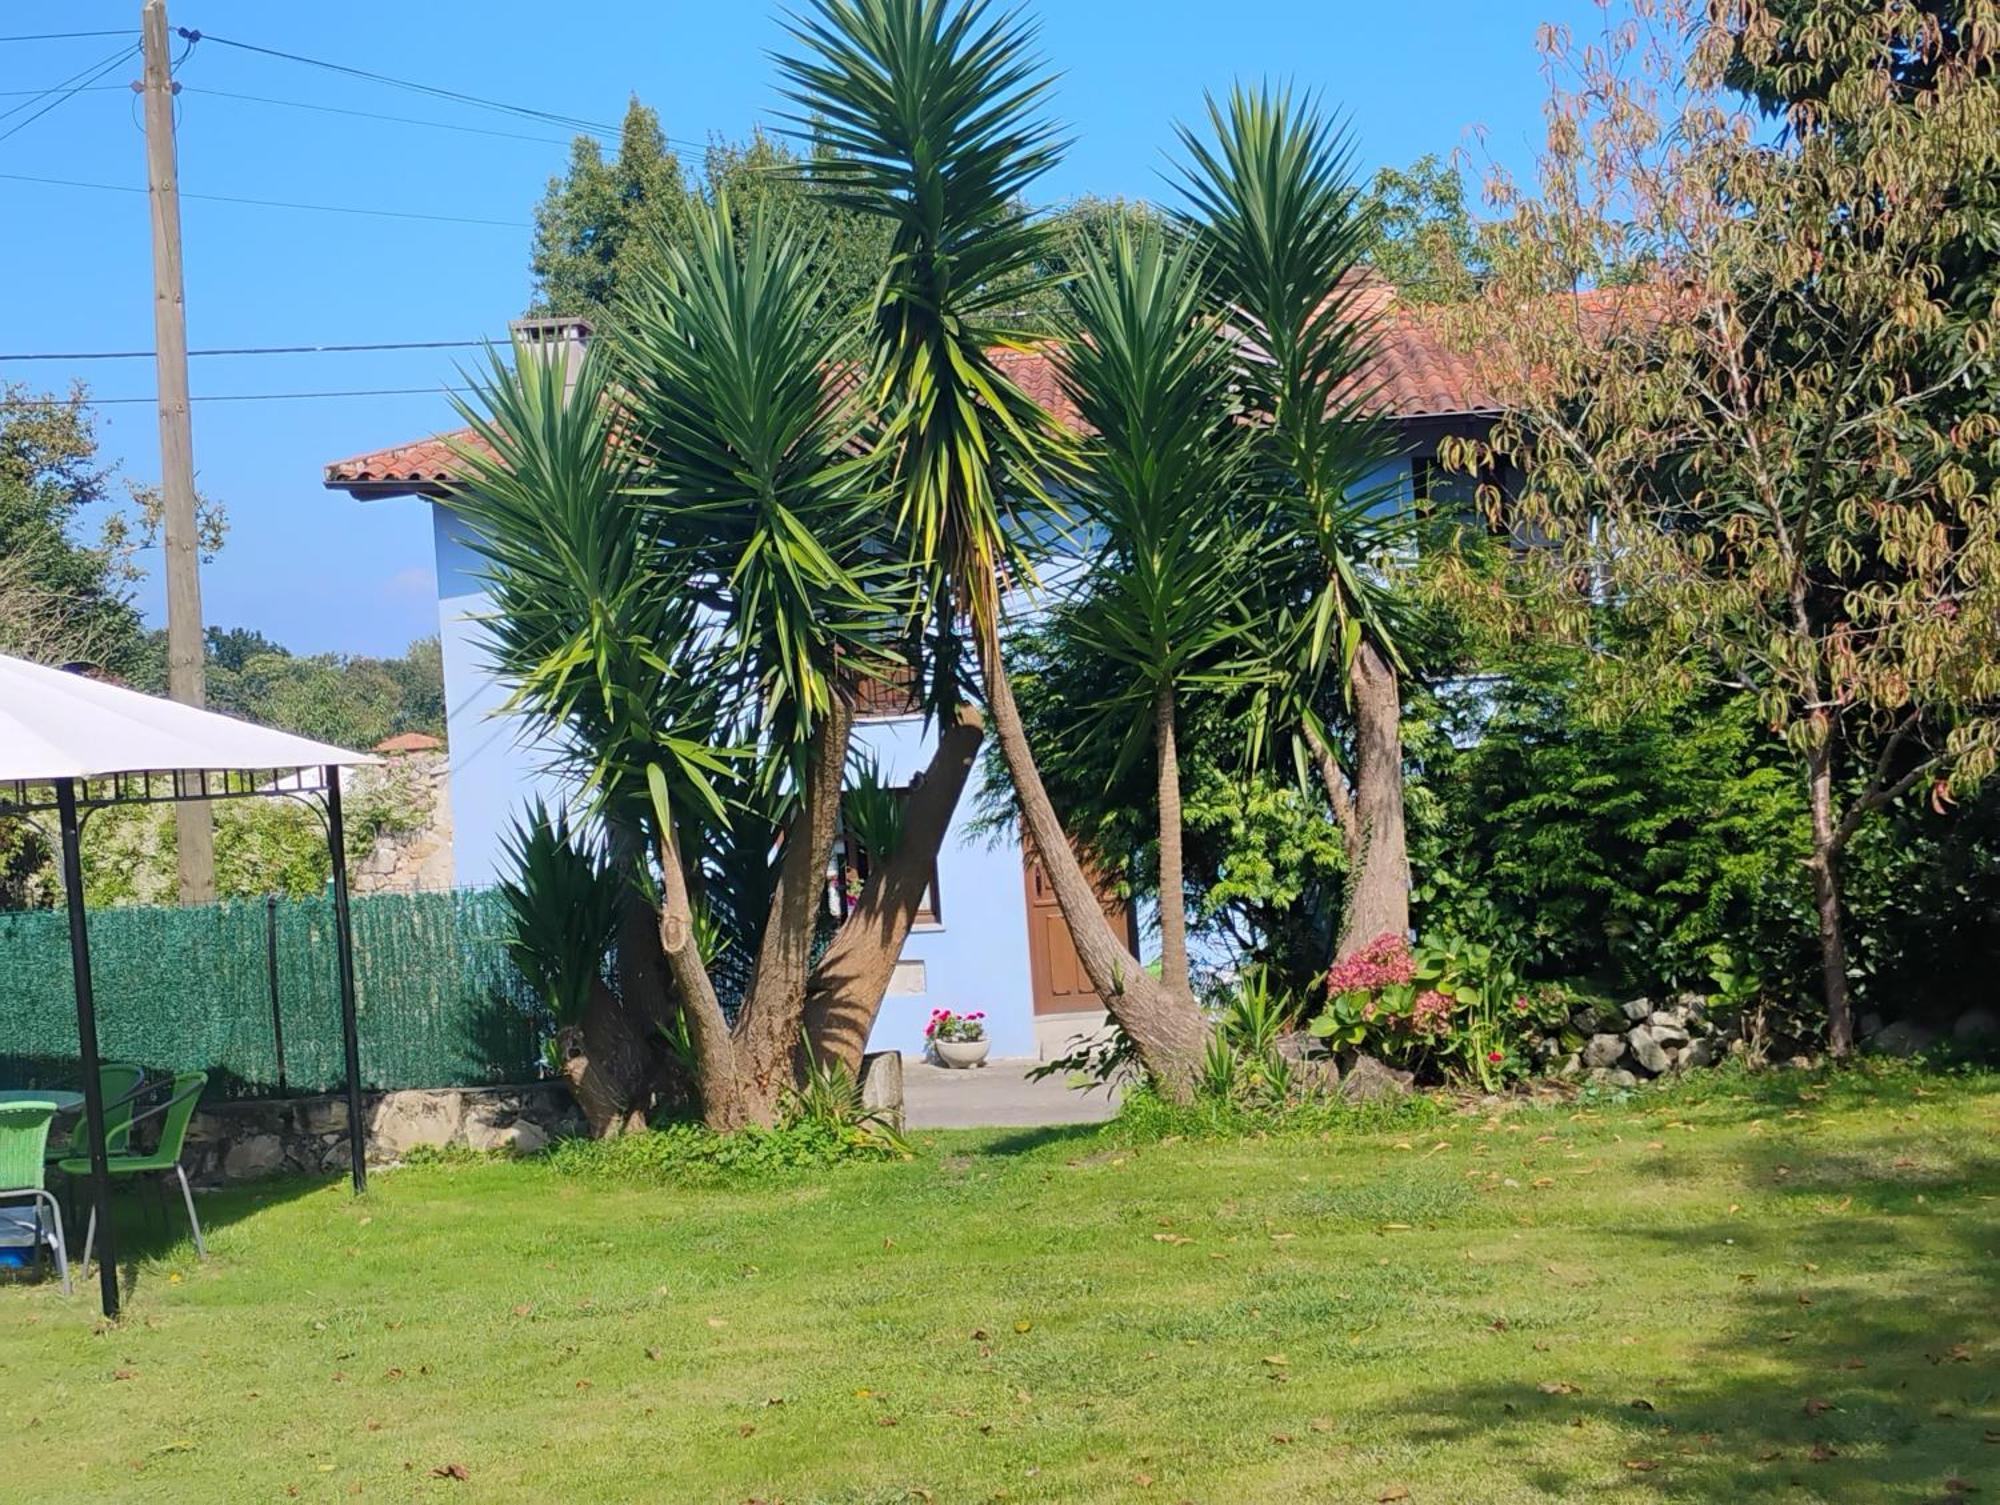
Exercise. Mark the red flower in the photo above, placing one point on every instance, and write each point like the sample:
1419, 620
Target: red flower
1495, 1056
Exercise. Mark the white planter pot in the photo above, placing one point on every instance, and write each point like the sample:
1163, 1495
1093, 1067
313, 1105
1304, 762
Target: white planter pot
961, 1055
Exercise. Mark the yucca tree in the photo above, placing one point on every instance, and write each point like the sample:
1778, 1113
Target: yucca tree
1272, 202
1157, 485
682, 552
931, 109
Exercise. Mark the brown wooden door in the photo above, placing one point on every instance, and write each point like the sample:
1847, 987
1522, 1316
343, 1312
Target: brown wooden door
1055, 970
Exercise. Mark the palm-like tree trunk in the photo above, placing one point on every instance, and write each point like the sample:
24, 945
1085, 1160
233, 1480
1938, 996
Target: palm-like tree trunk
766, 1036
1166, 1027
847, 987
722, 1105
1378, 887
1173, 886
607, 1066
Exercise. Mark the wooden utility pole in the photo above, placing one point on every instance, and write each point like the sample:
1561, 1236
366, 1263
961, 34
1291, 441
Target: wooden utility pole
194, 826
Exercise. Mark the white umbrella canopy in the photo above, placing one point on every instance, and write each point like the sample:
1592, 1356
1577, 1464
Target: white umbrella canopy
57, 725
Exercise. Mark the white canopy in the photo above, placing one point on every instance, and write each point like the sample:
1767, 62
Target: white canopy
56, 725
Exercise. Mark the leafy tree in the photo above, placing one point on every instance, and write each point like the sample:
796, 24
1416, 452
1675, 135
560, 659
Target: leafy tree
1424, 240
1774, 461
930, 114
1161, 600
1271, 203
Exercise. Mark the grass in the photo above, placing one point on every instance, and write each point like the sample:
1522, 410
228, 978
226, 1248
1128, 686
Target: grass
1778, 1288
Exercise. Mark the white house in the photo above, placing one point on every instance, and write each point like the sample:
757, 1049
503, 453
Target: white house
995, 940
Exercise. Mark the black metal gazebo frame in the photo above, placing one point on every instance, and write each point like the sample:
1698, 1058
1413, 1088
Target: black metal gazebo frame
73, 800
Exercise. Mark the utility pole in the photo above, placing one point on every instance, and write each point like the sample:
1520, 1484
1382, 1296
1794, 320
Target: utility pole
194, 825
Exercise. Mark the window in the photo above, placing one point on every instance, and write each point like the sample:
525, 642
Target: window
851, 867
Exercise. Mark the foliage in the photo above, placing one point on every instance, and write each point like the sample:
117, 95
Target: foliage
1773, 460
829, 1099
1424, 241
1449, 1007
349, 700
562, 898
1144, 1117
956, 1028
687, 1154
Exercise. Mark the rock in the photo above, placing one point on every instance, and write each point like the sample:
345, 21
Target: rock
404, 1120
1675, 1018
1699, 1053
336, 1157
1903, 1038
1603, 1050
488, 1127
1649, 1050
1603, 1077
882, 1086
321, 1115
1868, 1026
526, 1137
1978, 1029
1637, 1009
1572, 1065
1369, 1080
252, 1156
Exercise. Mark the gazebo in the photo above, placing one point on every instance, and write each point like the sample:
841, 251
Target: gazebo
73, 744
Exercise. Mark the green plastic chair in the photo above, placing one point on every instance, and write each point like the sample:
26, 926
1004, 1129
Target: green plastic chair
174, 1115
24, 1136
120, 1086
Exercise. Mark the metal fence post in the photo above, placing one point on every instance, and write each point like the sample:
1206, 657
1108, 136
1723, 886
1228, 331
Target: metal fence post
271, 964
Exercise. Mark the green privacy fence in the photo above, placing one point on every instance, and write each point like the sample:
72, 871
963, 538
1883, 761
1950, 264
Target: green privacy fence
438, 1002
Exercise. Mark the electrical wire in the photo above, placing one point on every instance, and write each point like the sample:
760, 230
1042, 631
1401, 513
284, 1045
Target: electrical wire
436, 125
73, 84
61, 36
133, 355
526, 112
225, 198
109, 402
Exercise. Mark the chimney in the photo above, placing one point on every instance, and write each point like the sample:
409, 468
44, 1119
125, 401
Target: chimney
554, 337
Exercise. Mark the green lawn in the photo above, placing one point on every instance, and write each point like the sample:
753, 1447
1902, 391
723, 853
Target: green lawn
1748, 1290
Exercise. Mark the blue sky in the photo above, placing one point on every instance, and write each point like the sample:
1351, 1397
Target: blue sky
321, 573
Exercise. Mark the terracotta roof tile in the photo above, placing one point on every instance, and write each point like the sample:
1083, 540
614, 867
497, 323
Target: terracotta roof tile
409, 742
1416, 371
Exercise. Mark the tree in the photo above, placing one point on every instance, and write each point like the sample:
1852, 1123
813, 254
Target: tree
930, 113
1773, 461
1161, 600
1424, 241
682, 553
1271, 203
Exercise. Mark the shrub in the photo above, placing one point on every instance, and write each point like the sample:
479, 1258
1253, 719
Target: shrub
682, 1154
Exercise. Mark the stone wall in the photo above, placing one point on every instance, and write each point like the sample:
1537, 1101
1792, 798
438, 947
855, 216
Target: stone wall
1622, 1045
414, 854
241, 1141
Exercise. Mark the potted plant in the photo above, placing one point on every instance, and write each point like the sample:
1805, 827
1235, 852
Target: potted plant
958, 1040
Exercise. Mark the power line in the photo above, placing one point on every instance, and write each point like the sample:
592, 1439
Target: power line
526, 112
436, 125
85, 75
127, 355
63, 36
86, 89
107, 402
65, 96
225, 198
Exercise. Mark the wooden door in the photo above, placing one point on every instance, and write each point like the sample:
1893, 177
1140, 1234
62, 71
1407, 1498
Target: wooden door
1055, 970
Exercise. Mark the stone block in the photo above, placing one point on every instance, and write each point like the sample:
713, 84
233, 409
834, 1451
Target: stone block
882, 1086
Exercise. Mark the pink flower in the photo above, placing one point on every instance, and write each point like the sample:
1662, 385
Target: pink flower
1431, 1013
1383, 962
1495, 1056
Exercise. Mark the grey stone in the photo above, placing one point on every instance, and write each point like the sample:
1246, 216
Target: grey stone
1903, 1038
1603, 1050
1699, 1053
256, 1155
1869, 1024
1572, 1065
1978, 1028
1636, 1009
403, 1120
336, 1156
488, 1127
1369, 1080
526, 1137
1674, 1018
882, 1086
1605, 1077
322, 1115
1648, 1049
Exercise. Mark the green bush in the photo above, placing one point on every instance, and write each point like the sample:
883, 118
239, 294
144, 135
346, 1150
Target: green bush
1146, 1117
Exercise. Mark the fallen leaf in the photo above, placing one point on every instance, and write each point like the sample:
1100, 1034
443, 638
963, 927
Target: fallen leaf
745, 1430
124, 1374
1822, 1451
653, 1354
1952, 1486
1023, 1326
1642, 1465
523, 1310
1158, 1238
1816, 1406
1321, 1424
1280, 1438
1144, 1481
451, 1471
1559, 1387
718, 1322
1642, 1404
1767, 1455
885, 1421
1276, 1360
1392, 1493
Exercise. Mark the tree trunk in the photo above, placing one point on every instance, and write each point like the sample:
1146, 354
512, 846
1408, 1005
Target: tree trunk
1167, 1029
605, 1061
1825, 867
848, 985
767, 1028
1173, 886
1378, 884
722, 1101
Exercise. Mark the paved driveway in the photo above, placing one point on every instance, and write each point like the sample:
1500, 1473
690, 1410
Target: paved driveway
996, 1095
